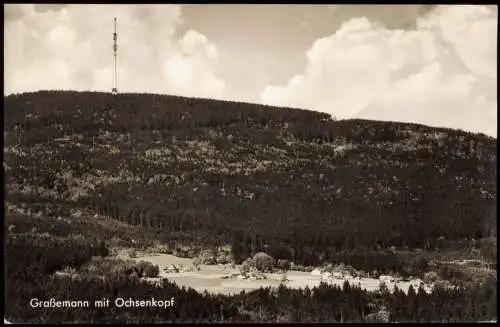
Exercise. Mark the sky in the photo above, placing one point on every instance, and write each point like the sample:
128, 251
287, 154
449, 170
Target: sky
434, 65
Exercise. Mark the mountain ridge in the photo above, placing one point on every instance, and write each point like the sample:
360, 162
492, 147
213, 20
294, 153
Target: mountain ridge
321, 115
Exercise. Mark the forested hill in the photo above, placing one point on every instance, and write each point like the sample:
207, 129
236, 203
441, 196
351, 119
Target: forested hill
293, 182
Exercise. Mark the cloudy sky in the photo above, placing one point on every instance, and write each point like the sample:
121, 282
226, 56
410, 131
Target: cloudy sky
434, 65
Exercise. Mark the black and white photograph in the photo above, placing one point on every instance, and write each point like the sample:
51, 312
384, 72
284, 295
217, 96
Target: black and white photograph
250, 163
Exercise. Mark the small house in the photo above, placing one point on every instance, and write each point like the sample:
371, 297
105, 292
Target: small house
171, 269
387, 279
338, 275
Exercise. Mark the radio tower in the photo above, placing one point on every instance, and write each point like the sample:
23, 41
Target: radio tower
114, 90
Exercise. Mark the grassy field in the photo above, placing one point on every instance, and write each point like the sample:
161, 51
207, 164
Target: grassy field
209, 278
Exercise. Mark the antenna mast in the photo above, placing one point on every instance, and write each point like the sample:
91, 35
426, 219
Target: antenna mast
114, 90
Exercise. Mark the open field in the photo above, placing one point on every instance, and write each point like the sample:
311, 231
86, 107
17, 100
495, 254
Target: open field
209, 278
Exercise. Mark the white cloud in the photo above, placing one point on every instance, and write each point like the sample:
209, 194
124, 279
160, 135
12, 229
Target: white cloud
71, 48
443, 73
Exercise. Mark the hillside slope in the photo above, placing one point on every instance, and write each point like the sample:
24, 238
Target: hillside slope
293, 182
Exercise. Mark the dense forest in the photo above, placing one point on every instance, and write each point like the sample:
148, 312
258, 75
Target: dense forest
286, 180
295, 184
